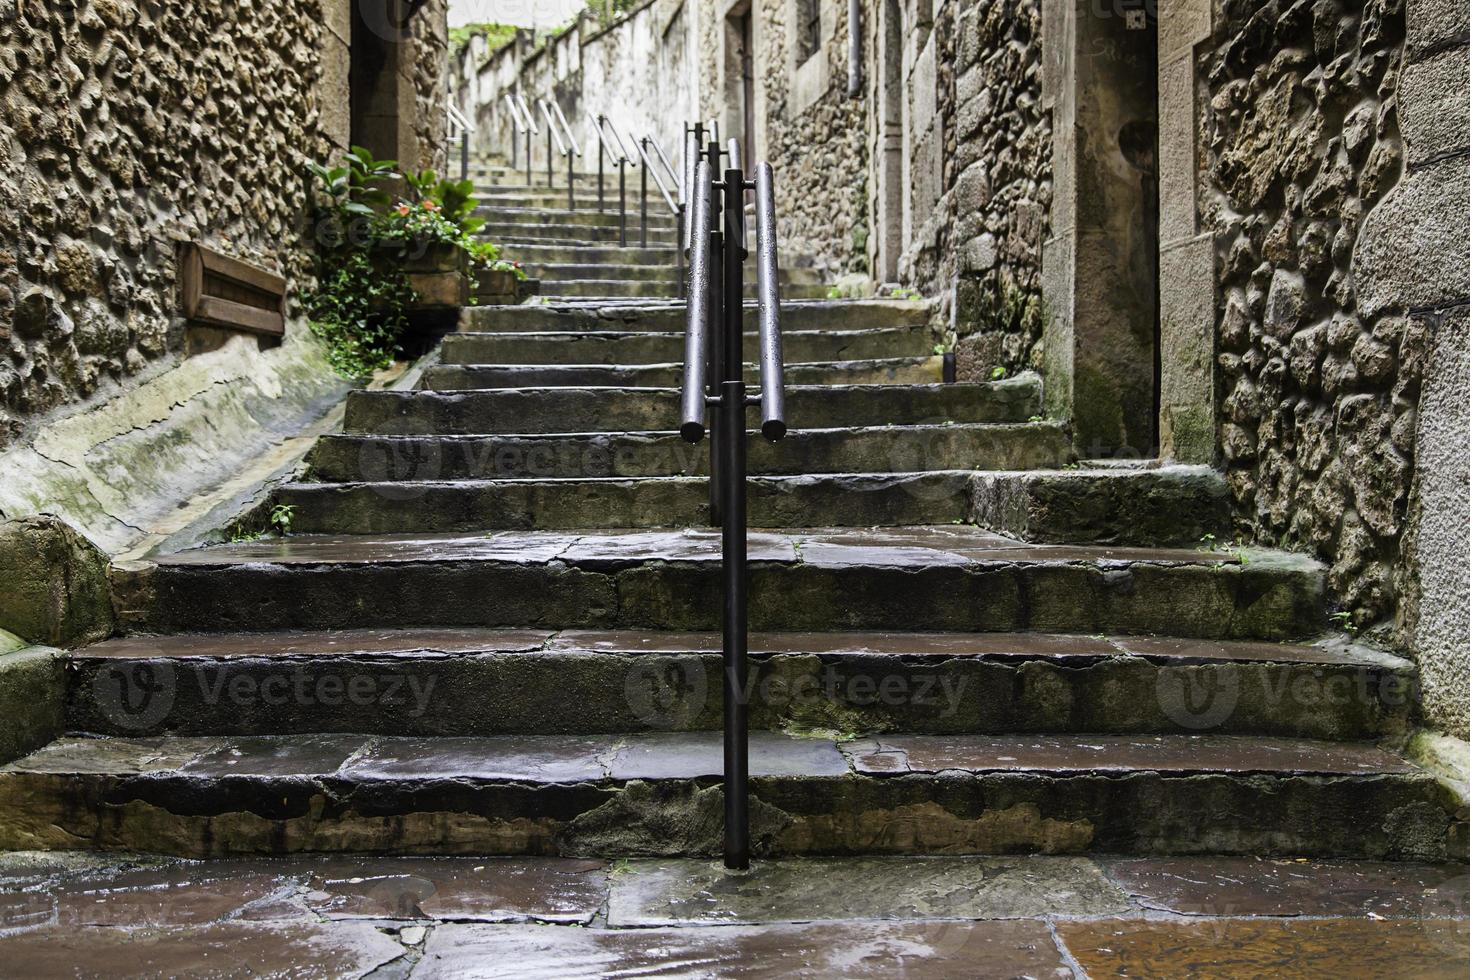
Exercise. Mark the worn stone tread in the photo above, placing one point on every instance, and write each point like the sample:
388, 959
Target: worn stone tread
632, 347
593, 409
369, 458
469, 377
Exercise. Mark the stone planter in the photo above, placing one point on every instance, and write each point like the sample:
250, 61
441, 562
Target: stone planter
438, 273
503, 288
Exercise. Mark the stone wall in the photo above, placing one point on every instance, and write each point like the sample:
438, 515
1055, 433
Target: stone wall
128, 128
635, 71
431, 83
997, 186
1301, 141
1414, 254
814, 137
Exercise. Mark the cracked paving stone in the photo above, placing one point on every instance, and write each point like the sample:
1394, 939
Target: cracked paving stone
686, 755
913, 950
676, 892
459, 889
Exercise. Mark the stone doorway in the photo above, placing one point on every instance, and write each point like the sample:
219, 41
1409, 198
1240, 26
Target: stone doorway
1104, 335
1128, 277
383, 90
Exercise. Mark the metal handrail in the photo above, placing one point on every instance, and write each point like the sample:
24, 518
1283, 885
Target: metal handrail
697, 334
522, 124
601, 124
551, 130
715, 324
457, 121
663, 158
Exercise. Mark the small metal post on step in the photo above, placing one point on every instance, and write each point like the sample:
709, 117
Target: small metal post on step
601, 197
623, 201
643, 198
550, 159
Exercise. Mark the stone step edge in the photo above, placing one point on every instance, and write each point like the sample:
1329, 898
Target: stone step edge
654, 757
1070, 649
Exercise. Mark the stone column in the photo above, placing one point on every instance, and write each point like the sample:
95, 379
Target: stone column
1414, 254
1187, 293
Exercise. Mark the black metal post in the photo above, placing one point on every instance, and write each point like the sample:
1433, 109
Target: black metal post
571, 179
550, 157
601, 202
464, 155
623, 202
716, 372
643, 197
735, 626
530, 181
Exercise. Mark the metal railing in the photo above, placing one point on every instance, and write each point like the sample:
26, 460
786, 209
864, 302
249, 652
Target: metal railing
675, 206
618, 153
714, 364
568, 148
461, 131
524, 125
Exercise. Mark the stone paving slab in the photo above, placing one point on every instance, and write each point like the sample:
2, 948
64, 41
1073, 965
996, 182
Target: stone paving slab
917, 951
274, 950
689, 892
111, 915
1230, 949
1225, 886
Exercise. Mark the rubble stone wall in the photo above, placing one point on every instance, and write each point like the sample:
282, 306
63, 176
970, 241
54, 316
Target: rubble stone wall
1300, 133
127, 128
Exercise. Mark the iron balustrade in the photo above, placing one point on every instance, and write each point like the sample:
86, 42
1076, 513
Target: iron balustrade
601, 125
567, 148
461, 131
714, 381
520, 124
674, 206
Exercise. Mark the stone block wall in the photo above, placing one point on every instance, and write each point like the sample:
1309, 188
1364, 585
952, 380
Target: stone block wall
815, 139
987, 230
127, 128
1302, 142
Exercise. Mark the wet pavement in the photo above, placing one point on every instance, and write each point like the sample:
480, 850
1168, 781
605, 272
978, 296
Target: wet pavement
118, 916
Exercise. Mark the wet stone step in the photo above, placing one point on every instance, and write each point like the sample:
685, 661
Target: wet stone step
611, 795
541, 682
809, 452
845, 500
672, 317
875, 371
590, 217
532, 411
928, 578
532, 253
1167, 506
612, 288
580, 347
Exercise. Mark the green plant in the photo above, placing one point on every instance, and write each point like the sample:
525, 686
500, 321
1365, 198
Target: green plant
1343, 620
360, 305
281, 517
359, 311
998, 374
941, 349
1037, 418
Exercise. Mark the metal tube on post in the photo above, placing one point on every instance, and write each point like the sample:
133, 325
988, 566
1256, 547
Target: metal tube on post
768, 302
601, 199
697, 337
734, 227
643, 195
623, 201
717, 372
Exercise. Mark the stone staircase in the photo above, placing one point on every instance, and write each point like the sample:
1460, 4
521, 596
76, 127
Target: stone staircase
494, 631
575, 252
